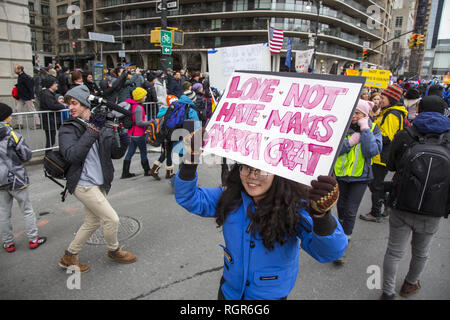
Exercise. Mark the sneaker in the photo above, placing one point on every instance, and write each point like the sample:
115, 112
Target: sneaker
370, 217
36, 243
409, 289
385, 296
9, 247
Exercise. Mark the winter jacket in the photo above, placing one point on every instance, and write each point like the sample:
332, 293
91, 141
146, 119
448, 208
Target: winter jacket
250, 270
389, 128
25, 87
139, 123
48, 101
174, 87
161, 92
74, 144
14, 152
111, 93
63, 83
371, 143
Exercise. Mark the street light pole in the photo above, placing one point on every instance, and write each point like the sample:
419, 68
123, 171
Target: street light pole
163, 27
317, 29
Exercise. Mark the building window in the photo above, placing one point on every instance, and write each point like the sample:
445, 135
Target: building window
398, 22
61, 9
263, 4
396, 46
45, 10
32, 20
31, 6
240, 5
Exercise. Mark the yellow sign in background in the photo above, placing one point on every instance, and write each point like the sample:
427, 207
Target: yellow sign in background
376, 78
351, 72
446, 78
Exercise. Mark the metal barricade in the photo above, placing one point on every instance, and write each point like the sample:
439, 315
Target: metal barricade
151, 110
39, 128
41, 135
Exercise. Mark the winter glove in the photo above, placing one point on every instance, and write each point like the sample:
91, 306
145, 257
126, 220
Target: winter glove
98, 121
354, 139
363, 123
323, 195
192, 144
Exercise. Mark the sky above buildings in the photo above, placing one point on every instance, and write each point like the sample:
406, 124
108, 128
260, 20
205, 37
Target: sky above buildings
445, 21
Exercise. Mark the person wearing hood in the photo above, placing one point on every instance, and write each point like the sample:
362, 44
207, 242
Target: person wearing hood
411, 100
402, 224
390, 121
353, 167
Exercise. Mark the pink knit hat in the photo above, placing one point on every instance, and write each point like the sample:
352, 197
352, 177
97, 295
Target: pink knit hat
365, 106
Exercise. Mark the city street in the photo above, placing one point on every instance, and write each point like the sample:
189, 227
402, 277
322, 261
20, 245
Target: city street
178, 253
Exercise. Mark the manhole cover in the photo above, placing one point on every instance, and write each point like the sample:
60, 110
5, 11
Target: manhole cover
128, 227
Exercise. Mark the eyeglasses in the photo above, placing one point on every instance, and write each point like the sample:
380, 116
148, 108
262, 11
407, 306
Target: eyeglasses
245, 171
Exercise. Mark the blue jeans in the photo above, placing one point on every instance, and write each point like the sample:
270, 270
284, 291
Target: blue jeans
350, 197
135, 143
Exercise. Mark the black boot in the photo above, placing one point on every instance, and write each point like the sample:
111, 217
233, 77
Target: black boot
146, 167
126, 170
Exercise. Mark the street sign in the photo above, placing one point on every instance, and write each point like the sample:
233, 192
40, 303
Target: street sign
166, 38
103, 37
121, 53
171, 5
366, 45
166, 50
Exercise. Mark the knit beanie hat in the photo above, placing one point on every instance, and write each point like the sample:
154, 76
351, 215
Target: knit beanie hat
432, 104
80, 93
394, 92
171, 98
139, 93
197, 86
365, 106
5, 111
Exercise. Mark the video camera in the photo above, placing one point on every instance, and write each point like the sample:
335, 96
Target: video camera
117, 117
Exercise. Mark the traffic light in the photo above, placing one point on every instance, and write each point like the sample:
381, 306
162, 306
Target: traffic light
364, 55
419, 40
413, 40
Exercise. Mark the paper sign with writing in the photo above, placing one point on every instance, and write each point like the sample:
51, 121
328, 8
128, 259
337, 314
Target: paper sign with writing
288, 124
376, 78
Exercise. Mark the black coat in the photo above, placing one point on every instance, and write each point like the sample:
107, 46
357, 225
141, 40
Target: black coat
49, 101
74, 144
25, 87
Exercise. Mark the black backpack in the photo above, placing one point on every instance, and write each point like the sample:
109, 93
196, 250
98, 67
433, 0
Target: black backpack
55, 166
422, 182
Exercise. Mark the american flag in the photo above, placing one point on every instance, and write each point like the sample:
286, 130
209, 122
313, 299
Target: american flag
276, 40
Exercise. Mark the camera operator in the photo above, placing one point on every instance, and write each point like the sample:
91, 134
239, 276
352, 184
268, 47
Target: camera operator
110, 89
89, 144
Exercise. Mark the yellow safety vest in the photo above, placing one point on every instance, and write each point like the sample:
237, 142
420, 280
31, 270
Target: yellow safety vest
351, 164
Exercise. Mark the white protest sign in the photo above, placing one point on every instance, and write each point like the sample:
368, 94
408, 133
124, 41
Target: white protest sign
303, 60
288, 124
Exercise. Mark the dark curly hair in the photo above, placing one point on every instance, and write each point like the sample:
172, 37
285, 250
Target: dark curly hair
276, 217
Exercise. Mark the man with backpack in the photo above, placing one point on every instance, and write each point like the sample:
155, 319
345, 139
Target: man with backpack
392, 119
420, 196
14, 183
174, 117
89, 145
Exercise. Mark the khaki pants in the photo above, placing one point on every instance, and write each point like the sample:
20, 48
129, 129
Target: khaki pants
27, 106
98, 210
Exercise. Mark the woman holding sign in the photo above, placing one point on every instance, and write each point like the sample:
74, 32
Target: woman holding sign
263, 217
353, 167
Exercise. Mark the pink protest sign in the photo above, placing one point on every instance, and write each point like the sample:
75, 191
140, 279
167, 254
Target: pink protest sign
288, 124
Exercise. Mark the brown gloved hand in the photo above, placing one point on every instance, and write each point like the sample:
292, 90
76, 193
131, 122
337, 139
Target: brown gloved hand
324, 194
192, 144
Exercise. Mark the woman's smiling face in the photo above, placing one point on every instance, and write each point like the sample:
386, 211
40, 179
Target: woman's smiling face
255, 181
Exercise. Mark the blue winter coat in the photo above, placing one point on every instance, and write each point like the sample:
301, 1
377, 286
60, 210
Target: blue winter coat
250, 270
